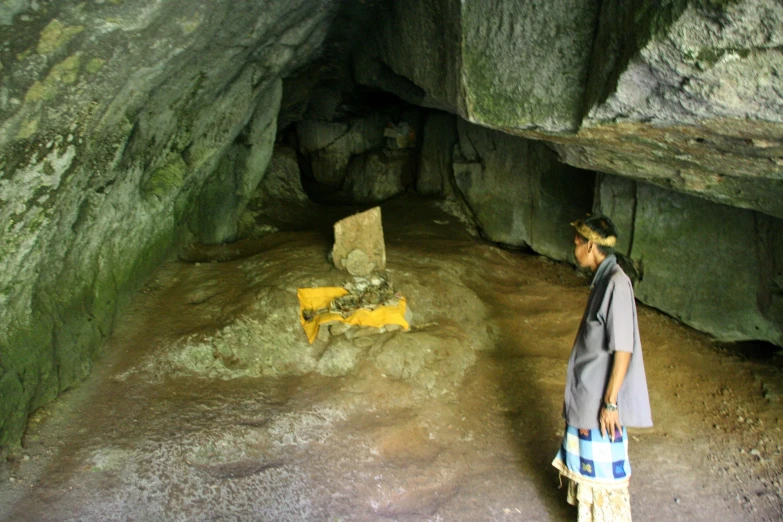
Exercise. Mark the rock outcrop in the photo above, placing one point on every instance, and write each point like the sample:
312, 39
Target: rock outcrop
686, 95
518, 191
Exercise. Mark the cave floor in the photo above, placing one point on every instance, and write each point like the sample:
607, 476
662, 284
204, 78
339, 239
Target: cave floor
466, 433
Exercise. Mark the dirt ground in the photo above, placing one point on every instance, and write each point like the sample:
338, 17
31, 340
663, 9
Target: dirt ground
209, 404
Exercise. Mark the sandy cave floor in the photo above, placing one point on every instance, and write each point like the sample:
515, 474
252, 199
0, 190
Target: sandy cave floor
209, 404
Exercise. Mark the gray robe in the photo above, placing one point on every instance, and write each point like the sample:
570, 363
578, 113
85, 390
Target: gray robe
609, 324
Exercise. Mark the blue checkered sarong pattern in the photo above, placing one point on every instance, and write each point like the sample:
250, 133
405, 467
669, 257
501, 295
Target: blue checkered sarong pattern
589, 458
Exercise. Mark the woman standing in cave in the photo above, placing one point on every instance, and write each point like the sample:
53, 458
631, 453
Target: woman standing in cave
606, 386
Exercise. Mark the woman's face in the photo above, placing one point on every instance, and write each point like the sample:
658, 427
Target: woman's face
582, 253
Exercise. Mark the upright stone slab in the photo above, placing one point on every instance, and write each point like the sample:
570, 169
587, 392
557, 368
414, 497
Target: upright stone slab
358, 243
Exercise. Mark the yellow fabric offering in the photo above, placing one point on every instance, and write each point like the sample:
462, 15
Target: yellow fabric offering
319, 298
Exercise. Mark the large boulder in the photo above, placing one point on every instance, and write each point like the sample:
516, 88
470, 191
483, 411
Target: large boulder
331, 145
686, 95
515, 64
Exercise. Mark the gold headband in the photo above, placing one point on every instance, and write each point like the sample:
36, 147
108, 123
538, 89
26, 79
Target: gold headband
592, 235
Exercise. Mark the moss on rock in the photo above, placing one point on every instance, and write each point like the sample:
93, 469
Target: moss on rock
55, 349
82, 238
530, 73
166, 179
55, 35
625, 30
65, 72
94, 65
27, 129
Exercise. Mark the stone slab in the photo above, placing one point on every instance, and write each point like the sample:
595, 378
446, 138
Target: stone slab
362, 232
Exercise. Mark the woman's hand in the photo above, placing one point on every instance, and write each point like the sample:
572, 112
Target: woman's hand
609, 422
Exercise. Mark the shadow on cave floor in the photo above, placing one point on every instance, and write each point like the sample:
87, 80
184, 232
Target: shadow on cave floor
752, 350
208, 402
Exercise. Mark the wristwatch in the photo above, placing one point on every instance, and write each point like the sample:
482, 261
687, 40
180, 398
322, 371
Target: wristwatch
608, 406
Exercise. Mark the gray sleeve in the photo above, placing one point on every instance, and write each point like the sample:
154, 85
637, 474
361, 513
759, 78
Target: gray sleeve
619, 316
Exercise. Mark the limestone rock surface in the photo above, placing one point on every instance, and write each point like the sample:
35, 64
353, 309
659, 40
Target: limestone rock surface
715, 267
282, 180
118, 139
331, 145
686, 95
379, 175
435, 163
129, 128
518, 191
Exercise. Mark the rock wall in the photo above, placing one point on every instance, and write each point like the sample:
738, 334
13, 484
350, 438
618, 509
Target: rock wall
715, 267
282, 180
330, 145
684, 94
224, 196
525, 63
362, 159
118, 128
376, 176
435, 160
519, 192
413, 51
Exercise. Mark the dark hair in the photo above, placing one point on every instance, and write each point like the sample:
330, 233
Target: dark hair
602, 226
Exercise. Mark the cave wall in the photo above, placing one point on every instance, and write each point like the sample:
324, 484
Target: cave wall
713, 266
439, 135
362, 158
716, 268
413, 51
118, 140
224, 195
519, 192
684, 94
329, 146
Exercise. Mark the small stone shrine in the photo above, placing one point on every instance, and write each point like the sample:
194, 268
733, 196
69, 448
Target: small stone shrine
358, 243
365, 306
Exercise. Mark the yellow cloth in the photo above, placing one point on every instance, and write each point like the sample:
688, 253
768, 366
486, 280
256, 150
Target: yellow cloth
317, 298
